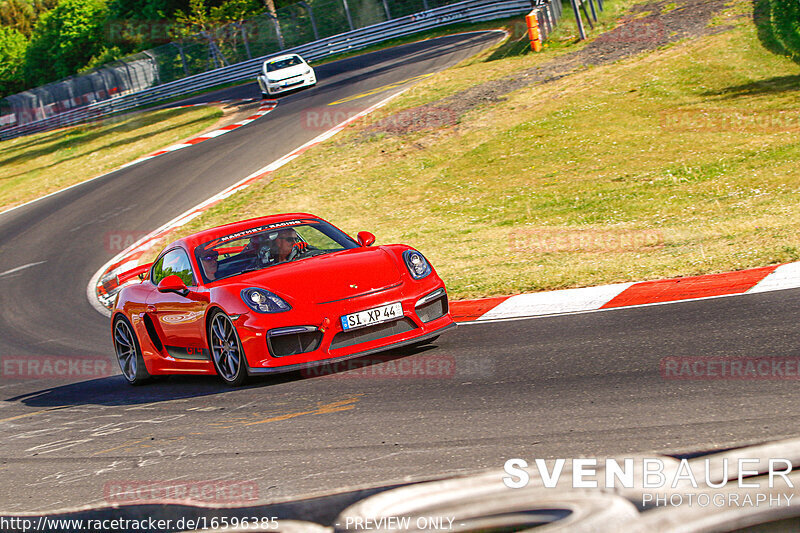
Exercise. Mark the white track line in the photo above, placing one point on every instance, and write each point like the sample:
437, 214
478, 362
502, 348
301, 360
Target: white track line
23, 267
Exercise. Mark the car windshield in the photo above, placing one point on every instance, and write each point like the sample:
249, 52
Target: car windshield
268, 245
279, 64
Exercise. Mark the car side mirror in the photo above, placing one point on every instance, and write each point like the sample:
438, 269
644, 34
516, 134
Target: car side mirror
365, 238
173, 283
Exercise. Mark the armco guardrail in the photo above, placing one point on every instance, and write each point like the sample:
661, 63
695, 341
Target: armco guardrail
467, 11
541, 21
548, 14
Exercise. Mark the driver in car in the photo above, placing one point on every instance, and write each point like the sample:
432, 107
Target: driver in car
209, 263
287, 245
276, 248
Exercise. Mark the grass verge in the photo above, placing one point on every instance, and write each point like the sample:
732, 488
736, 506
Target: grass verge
36, 165
677, 162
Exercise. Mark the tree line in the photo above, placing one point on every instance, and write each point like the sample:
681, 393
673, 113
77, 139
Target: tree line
42, 41
786, 25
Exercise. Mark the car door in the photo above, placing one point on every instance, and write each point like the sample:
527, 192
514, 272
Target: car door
179, 318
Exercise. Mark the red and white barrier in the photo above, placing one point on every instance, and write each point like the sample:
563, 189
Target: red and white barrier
771, 278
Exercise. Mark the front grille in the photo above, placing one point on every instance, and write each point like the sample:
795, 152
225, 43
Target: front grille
432, 310
294, 343
371, 333
284, 79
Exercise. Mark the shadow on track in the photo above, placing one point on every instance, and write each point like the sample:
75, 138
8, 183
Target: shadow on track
114, 391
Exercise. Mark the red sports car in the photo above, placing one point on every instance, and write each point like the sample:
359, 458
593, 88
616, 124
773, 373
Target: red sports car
273, 294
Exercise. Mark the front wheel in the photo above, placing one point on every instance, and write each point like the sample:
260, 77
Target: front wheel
226, 350
129, 353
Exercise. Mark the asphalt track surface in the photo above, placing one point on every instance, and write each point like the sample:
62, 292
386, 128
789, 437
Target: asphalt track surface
584, 384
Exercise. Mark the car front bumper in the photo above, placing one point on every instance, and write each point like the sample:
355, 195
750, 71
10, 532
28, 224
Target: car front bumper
305, 80
310, 364
420, 321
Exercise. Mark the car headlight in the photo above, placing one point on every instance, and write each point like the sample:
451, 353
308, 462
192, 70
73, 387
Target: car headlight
263, 301
307, 72
416, 263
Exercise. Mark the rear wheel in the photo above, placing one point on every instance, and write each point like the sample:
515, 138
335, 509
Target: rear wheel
226, 350
129, 353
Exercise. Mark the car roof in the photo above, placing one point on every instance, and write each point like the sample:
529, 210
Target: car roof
191, 241
280, 58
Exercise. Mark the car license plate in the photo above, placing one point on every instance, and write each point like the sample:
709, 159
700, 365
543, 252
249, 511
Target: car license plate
370, 317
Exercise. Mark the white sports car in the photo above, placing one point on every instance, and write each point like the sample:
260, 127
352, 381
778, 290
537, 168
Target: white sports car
284, 73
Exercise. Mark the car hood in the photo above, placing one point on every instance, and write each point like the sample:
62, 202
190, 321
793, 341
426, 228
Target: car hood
287, 72
331, 277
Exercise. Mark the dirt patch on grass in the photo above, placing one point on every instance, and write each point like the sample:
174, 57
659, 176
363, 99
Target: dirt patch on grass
646, 27
231, 112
